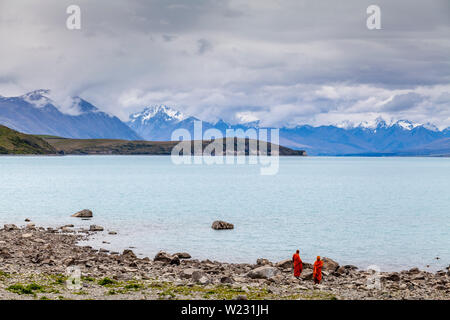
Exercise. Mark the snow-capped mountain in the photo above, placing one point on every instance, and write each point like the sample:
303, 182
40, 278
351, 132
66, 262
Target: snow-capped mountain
161, 112
36, 113
370, 137
382, 123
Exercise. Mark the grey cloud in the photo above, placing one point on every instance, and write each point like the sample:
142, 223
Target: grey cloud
276, 55
403, 102
203, 46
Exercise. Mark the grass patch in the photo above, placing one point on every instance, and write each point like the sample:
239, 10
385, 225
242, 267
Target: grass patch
89, 279
107, 282
28, 289
4, 275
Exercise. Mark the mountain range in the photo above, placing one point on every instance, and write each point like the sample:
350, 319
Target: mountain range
37, 113
367, 138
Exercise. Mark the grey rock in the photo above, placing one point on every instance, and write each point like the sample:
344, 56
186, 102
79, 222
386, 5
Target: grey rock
10, 227
264, 272
329, 265
183, 255
307, 275
94, 227
262, 262
285, 264
83, 214
222, 225
127, 253
167, 258
226, 279
200, 277
187, 273
393, 277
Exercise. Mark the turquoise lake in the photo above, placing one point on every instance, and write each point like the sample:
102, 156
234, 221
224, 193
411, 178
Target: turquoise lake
389, 212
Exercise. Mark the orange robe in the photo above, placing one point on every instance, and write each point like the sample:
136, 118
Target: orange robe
298, 265
317, 271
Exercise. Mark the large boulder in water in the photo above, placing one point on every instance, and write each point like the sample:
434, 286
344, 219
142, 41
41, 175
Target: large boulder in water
222, 225
264, 272
83, 214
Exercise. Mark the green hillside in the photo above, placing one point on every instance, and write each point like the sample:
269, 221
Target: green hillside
13, 142
110, 146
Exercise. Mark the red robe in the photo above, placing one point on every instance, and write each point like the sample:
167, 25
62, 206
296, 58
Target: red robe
317, 271
298, 265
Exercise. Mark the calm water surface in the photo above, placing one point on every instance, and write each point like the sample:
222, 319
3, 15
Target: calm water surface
392, 212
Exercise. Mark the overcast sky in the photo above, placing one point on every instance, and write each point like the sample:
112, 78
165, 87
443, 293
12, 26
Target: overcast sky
283, 62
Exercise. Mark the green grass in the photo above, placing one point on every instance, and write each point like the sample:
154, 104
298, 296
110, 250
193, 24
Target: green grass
4, 275
106, 282
14, 142
31, 288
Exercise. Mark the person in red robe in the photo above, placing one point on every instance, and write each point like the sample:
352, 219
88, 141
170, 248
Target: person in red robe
298, 264
317, 271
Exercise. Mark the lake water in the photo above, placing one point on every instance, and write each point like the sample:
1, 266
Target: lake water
391, 212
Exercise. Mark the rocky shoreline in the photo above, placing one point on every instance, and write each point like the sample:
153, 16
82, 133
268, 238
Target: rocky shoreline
34, 264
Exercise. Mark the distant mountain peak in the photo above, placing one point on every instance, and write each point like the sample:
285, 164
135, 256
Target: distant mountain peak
157, 111
38, 98
380, 123
83, 106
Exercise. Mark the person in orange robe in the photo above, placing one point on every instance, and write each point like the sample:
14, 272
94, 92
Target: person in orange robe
298, 264
317, 271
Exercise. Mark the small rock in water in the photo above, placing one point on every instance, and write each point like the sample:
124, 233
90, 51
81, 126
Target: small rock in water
222, 225
27, 220
83, 214
112, 232
94, 227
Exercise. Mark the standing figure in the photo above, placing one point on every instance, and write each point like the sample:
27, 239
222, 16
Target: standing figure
317, 271
298, 265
